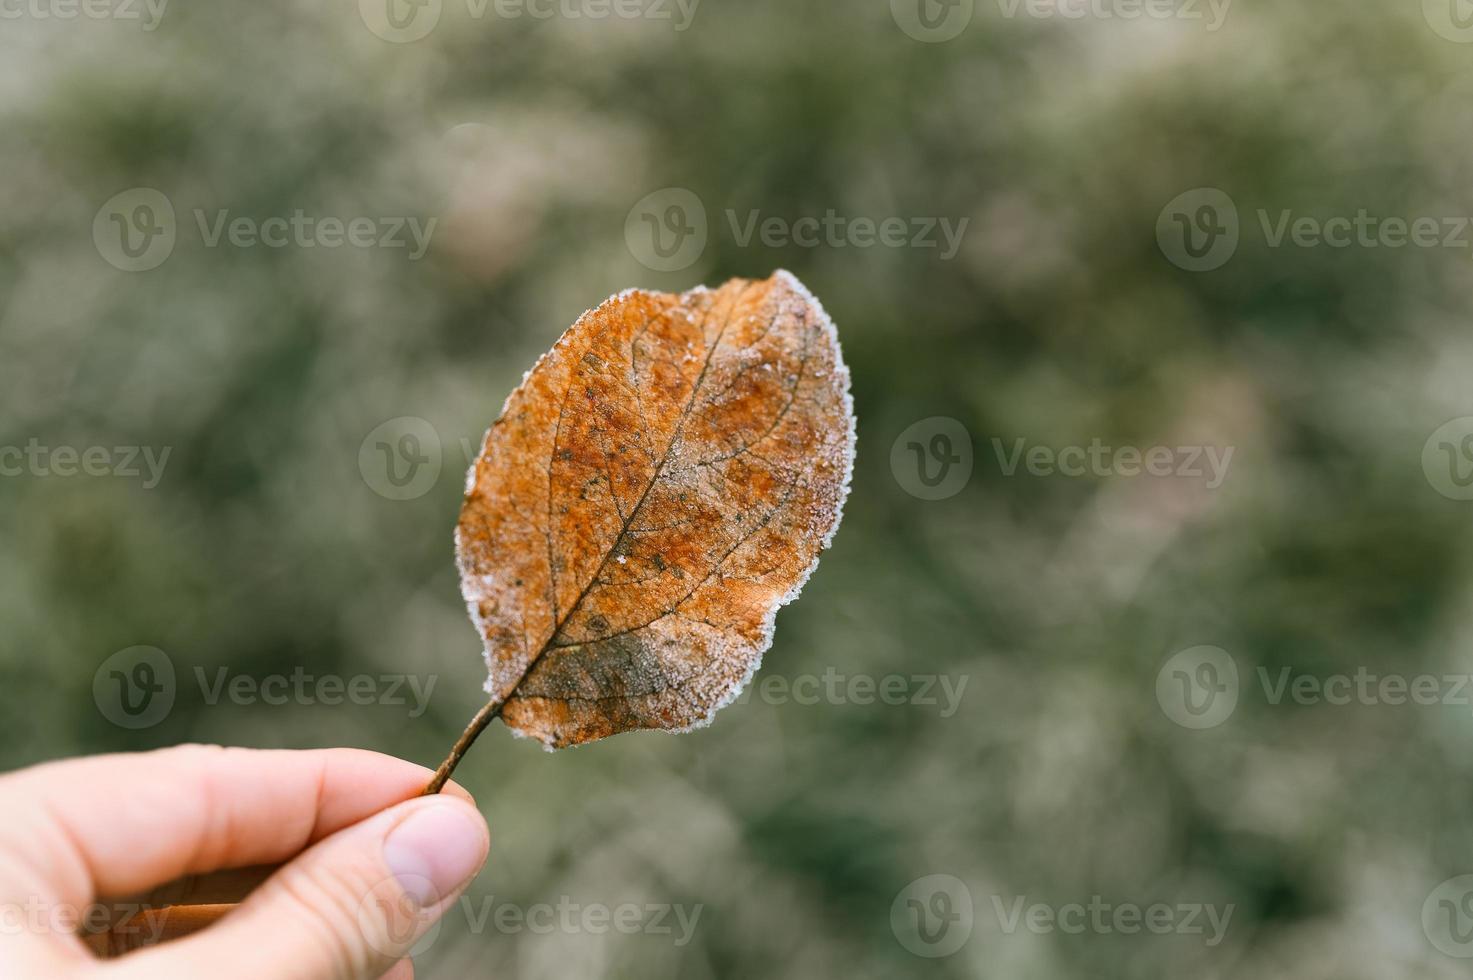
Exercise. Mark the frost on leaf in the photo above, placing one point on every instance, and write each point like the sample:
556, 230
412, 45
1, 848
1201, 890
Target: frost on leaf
660, 484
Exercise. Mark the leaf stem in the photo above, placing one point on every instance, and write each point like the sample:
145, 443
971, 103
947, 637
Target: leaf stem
468, 737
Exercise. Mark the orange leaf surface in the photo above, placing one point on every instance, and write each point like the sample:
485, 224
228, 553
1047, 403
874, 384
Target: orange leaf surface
662, 481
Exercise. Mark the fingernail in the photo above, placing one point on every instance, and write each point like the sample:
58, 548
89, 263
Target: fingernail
433, 852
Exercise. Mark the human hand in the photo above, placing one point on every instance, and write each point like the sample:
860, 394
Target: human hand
337, 864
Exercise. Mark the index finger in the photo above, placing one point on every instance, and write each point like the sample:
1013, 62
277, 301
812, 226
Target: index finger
119, 824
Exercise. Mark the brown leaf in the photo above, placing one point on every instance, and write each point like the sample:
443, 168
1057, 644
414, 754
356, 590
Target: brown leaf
660, 484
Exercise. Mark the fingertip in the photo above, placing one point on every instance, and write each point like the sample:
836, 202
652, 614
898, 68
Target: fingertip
436, 848
384, 765
459, 791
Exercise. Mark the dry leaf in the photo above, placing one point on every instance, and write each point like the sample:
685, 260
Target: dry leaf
660, 484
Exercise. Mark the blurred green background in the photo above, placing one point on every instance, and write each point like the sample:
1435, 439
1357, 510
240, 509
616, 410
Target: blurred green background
273, 542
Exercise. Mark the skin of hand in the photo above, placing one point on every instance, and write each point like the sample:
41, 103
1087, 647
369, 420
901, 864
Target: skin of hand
338, 865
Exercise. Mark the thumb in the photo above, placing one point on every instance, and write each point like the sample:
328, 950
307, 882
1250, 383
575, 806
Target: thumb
347, 909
